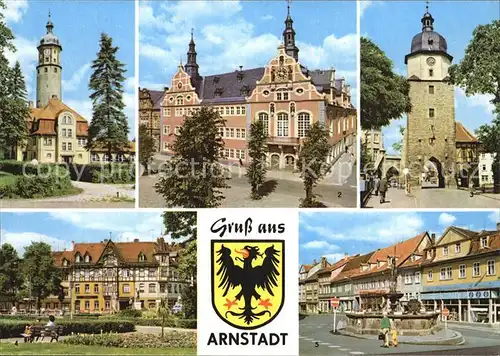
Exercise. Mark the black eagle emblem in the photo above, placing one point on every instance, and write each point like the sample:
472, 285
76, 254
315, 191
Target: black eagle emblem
248, 278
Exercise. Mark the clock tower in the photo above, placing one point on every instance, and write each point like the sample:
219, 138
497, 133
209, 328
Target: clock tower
429, 143
49, 69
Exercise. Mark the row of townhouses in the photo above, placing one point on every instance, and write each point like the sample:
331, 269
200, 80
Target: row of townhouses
108, 276
285, 95
459, 271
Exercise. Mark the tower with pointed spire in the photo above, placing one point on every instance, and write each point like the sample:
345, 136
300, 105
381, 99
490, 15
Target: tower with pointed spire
191, 66
289, 36
430, 135
49, 69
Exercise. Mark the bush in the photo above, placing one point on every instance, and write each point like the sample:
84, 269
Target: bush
129, 313
103, 172
172, 339
14, 328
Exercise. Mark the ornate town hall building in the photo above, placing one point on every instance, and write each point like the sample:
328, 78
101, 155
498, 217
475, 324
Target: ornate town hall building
437, 150
284, 94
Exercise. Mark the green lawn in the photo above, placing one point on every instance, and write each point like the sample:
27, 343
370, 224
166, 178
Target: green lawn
62, 349
7, 179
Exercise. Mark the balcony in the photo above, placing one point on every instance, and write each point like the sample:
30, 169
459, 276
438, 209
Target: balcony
283, 141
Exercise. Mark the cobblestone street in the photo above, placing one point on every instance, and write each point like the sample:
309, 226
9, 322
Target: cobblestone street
434, 198
337, 190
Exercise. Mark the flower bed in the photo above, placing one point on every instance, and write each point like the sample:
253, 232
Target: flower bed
172, 339
14, 328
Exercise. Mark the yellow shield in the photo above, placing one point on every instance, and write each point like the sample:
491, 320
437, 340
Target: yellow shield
248, 281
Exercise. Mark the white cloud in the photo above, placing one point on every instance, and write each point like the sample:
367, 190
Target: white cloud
267, 17
130, 84
365, 4
20, 240
15, 10
334, 257
481, 101
27, 56
391, 228
83, 107
446, 219
495, 216
320, 244
76, 79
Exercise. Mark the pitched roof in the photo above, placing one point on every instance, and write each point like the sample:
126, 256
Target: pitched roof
102, 148
43, 120
156, 98
351, 268
463, 135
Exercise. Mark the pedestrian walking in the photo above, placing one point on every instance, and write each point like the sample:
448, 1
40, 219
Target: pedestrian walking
385, 327
241, 163
394, 335
376, 182
383, 190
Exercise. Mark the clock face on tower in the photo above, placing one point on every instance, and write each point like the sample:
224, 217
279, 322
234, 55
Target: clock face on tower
431, 61
46, 51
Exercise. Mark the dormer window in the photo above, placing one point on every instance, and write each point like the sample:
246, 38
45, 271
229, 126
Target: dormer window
484, 241
87, 258
216, 80
379, 263
142, 257
65, 262
78, 258
244, 90
218, 92
239, 76
458, 247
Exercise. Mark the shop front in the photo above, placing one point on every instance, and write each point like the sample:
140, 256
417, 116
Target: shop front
472, 306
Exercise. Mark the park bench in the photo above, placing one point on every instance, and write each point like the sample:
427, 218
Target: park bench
41, 332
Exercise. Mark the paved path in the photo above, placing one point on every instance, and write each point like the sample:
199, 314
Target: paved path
433, 198
316, 340
288, 189
93, 196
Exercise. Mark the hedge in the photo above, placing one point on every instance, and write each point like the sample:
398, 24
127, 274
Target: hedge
103, 172
169, 322
20, 168
14, 328
171, 339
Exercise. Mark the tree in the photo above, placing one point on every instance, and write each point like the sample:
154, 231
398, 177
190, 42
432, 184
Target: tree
398, 146
182, 225
109, 126
479, 73
384, 94
312, 161
193, 177
43, 277
10, 276
146, 147
13, 126
257, 145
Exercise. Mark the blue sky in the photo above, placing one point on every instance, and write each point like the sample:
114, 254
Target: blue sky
333, 234
392, 25
60, 228
233, 33
78, 25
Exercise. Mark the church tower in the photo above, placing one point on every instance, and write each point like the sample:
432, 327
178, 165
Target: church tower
49, 69
430, 131
289, 37
191, 67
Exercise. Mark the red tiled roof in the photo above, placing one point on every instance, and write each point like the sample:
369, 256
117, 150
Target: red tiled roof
463, 135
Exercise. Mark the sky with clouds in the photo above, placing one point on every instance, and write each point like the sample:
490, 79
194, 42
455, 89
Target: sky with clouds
247, 33
78, 25
59, 228
392, 25
332, 234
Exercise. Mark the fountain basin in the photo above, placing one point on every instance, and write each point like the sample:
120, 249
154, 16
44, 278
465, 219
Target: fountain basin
406, 324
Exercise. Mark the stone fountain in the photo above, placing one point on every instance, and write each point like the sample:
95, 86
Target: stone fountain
410, 320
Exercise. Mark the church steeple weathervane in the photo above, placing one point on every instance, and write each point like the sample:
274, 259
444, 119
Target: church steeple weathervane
191, 66
50, 25
289, 35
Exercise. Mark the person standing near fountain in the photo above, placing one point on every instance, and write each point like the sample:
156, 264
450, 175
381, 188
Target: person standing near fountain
385, 326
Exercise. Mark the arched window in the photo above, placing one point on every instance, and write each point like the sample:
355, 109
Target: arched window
282, 125
179, 100
142, 257
78, 258
304, 122
264, 117
87, 258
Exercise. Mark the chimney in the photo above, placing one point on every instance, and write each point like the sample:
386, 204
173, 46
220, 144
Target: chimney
106, 241
498, 226
433, 239
165, 88
54, 97
136, 240
345, 255
323, 262
314, 262
72, 245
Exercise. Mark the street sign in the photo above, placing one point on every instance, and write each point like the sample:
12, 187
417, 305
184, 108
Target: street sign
445, 312
334, 302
